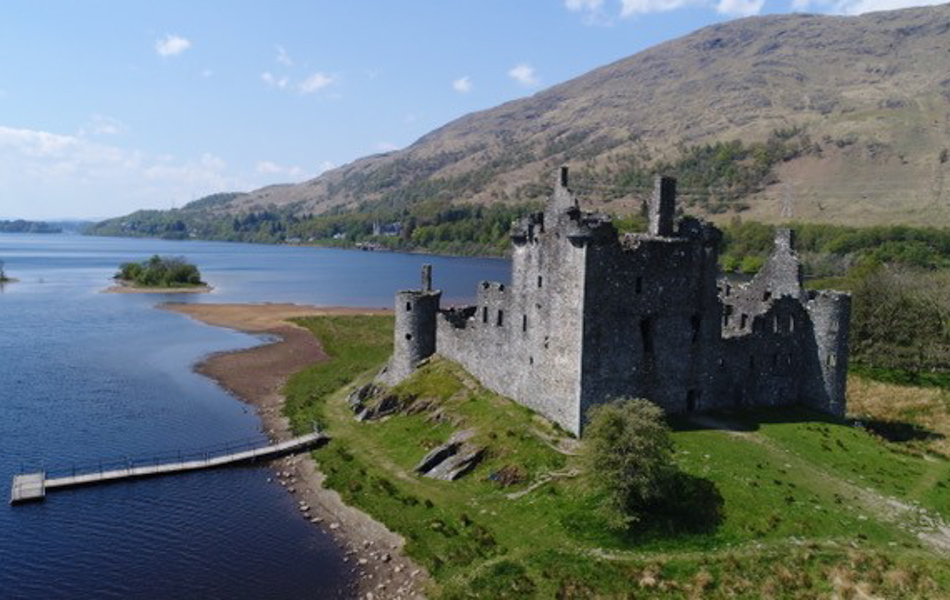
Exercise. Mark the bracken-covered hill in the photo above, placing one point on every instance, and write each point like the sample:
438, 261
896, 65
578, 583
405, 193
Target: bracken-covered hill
840, 119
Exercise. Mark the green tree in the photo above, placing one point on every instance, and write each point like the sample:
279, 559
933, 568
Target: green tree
628, 458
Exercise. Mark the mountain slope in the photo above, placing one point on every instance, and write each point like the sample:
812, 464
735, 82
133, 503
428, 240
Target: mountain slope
866, 101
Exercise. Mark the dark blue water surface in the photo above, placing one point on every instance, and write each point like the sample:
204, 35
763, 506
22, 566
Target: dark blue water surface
86, 376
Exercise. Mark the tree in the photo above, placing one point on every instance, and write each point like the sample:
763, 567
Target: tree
628, 458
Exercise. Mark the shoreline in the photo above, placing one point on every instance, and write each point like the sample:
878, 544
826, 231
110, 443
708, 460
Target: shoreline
256, 376
123, 288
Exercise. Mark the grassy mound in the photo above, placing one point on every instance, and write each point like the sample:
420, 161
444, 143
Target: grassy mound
808, 507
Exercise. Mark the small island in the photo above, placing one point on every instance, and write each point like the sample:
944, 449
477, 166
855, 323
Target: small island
3, 275
159, 274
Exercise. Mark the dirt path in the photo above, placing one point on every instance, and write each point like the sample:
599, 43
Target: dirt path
256, 376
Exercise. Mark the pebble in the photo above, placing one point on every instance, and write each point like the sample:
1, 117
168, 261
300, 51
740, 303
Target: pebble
362, 561
334, 525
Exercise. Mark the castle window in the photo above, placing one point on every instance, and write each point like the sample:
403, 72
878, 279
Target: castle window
501, 318
832, 360
484, 314
743, 320
692, 400
775, 324
728, 289
524, 322
540, 280
696, 323
638, 286
791, 323
408, 306
531, 360
646, 335
766, 296
408, 337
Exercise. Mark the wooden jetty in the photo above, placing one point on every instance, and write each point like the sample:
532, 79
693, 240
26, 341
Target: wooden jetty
32, 487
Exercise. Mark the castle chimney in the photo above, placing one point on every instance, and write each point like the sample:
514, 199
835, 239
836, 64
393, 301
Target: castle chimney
562, 177
662, 206
426, 278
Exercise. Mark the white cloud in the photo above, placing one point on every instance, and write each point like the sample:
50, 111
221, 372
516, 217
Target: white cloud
102, 125
324, 166
171, 45
386, 147
593, 11
315, 82
282, 56
267, 167
632, 7
580, 5
46, 175
740, 8
462, 85
274, 81
524, 74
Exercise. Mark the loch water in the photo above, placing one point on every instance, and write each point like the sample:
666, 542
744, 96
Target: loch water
87, 376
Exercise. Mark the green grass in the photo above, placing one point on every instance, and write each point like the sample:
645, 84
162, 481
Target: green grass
804, 508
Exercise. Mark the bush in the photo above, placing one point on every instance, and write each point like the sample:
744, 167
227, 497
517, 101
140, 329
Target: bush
628, 458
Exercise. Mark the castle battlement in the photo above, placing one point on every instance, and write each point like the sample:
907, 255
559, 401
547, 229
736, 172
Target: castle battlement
591, 315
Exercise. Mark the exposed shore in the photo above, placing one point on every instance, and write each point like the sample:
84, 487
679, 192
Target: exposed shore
128, 288
256, 376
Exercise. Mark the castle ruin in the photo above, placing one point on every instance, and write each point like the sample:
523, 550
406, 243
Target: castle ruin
591, 315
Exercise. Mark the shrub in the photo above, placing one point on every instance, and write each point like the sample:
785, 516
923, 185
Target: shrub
628, 458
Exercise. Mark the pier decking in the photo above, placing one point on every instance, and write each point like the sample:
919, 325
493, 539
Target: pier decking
32, 487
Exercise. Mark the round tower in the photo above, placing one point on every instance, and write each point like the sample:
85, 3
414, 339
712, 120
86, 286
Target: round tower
830, 314
415, 328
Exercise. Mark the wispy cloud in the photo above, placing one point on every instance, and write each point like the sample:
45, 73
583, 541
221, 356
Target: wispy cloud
462, 85
275, 81
102, 125
171, 45
524, 74
282, 56
592, 10
740, 8
267, 167
633, 7
386, 146
315, 82
38, 165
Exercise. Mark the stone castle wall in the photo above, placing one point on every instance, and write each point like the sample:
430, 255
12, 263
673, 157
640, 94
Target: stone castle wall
590, 316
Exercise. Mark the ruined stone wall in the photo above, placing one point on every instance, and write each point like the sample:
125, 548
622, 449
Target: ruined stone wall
532, 353
652, 320
589, 317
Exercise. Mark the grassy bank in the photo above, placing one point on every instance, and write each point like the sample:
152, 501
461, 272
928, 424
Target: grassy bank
794, 506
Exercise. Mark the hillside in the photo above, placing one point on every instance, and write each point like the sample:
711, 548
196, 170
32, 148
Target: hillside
817, 118
781, 503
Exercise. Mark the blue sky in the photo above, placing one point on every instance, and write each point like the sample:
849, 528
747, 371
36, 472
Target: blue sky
110, 106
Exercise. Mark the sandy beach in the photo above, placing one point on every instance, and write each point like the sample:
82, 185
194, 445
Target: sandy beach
256, 376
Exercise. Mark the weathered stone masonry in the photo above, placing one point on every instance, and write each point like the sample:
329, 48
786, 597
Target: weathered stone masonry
591, 315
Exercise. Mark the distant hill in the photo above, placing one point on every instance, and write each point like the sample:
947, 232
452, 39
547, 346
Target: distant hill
21, 226
817, 118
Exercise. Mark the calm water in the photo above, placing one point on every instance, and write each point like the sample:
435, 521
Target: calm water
86, 376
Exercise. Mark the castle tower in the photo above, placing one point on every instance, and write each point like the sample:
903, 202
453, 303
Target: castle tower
662, 207
830, 314
414, 339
